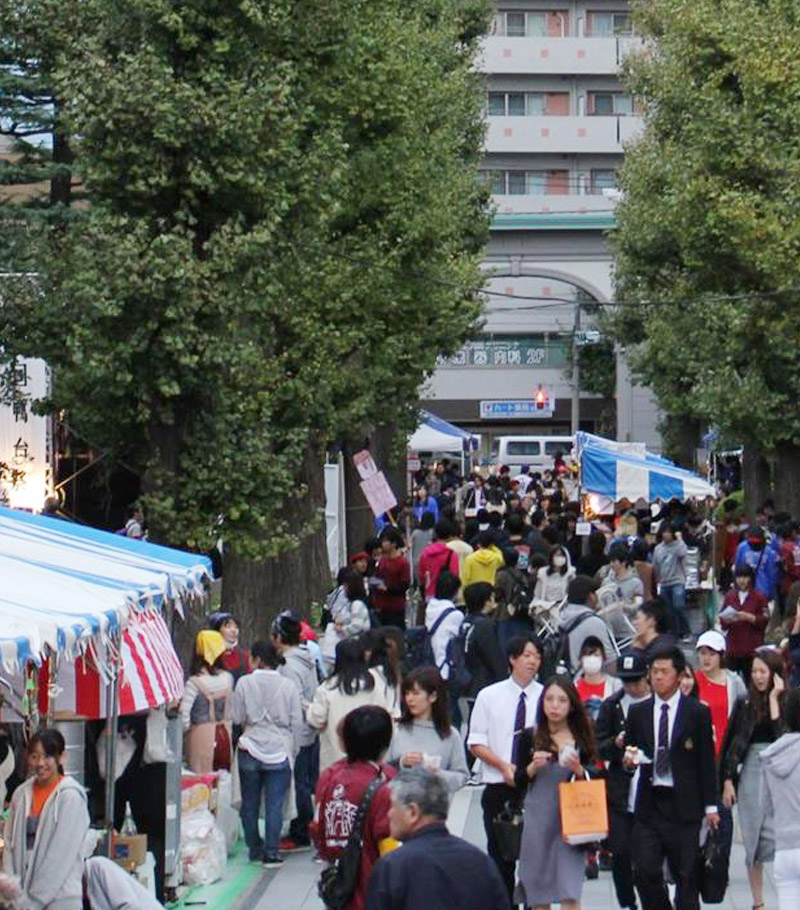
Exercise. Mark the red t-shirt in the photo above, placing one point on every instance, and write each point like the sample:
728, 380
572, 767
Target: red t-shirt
715, 697
338, 795
592, 695
395, 573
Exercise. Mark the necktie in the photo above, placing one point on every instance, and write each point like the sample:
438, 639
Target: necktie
519, 726
662, 753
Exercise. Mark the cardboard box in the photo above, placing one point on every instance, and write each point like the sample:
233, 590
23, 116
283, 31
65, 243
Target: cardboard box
130, 850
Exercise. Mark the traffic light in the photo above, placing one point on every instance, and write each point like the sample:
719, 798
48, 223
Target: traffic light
541, 399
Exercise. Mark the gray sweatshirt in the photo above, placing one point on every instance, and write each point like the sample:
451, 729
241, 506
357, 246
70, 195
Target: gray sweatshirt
668, 563
781, 766
51, 874
301, 669
591, 625
421, 736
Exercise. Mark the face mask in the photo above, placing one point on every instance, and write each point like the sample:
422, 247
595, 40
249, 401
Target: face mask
592, 663
559, 561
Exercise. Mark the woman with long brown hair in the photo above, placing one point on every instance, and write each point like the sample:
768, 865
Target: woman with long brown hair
561, 747
424, 737
756, 723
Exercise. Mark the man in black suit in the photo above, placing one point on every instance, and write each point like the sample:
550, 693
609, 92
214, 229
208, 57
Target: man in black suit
669, 737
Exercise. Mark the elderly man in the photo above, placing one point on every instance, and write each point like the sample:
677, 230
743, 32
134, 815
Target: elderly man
434, 869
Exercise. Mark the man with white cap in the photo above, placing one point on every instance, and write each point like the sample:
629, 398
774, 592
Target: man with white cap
719, 689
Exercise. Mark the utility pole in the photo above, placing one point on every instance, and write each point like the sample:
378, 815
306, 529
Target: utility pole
576, 372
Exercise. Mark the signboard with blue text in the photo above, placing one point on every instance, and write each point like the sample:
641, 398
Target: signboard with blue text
516, 409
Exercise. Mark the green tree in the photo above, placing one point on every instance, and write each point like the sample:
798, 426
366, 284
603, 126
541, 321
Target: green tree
708, 236
273, 185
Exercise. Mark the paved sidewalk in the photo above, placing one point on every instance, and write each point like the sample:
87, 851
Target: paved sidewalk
294, 886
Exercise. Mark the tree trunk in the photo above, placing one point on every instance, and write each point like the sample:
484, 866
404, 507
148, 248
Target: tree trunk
684, 435
255, 592
755, 477
787, 478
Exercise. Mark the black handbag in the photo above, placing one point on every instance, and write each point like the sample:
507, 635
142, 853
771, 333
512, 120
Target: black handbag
338, 882
508, 832
712, 869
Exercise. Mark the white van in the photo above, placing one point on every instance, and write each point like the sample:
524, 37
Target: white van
534, 452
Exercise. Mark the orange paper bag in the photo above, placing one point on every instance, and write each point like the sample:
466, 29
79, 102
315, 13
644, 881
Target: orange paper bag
584, 811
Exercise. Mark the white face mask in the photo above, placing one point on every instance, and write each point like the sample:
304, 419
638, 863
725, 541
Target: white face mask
592, 663
559, 561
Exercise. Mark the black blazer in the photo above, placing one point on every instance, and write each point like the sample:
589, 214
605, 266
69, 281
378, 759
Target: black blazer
691, 757
609, 724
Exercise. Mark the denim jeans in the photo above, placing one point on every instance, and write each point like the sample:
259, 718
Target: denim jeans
306, 772
273, 781
674, 596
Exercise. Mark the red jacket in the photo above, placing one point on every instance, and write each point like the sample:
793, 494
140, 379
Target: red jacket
395, 573
338, 795
743, 636
436, 557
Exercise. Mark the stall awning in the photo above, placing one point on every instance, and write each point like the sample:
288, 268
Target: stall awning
437, 435
75, 594
618, 475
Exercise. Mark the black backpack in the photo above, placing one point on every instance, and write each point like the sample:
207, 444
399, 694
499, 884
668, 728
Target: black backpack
460, 677
555, 656
419, 647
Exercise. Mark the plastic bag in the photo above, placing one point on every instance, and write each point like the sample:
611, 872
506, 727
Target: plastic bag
227, 816
156, 745
203, 849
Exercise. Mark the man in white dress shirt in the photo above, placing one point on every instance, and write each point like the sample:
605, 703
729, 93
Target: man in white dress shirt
502, 711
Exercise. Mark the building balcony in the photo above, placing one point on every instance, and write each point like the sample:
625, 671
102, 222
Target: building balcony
555, 56
553, 204
561, 135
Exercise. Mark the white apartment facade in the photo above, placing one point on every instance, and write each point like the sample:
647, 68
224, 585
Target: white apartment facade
558, 119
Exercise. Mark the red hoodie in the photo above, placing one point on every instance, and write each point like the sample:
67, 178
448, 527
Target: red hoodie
436, 557
339, 792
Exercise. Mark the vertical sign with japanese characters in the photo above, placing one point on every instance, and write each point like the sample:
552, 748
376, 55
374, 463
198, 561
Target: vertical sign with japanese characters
24, 436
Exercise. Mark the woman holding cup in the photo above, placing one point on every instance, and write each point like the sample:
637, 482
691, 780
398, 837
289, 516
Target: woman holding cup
424, 737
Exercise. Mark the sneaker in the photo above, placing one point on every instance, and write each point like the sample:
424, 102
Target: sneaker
272, 862
604, 861
290, 845
592, 871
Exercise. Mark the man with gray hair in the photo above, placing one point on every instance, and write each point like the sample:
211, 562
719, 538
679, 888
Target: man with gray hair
434, 869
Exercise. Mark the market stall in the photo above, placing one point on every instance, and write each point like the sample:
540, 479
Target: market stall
437, 435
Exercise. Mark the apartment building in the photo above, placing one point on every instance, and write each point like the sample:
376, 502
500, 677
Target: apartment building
558, 120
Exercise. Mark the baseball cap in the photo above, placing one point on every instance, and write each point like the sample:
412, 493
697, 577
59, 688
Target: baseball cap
712, 639
631, 666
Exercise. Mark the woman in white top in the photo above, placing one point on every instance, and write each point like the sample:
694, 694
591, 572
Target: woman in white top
352, 684
205, 707
553, 579
350, 615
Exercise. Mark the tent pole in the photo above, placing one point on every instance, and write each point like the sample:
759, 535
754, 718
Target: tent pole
111, 750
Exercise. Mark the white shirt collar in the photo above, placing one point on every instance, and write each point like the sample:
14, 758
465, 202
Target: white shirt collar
672, 702
529, 690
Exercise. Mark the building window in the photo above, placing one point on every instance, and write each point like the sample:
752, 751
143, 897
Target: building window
607, 104
533, 24
609, 24
527, 183
528, 104
602, 180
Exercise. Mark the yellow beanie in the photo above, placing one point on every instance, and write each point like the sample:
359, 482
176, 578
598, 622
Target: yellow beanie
209, 645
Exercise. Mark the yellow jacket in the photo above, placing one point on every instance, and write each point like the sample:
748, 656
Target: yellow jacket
482, 565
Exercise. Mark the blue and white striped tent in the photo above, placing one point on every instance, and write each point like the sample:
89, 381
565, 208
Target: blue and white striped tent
608, 470
65, 584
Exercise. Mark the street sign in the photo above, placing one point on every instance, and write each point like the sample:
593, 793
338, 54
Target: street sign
413, 465
587, 336
516, 409
365, 464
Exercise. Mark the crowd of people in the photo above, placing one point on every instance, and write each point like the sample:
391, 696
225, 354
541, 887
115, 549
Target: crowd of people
498, 640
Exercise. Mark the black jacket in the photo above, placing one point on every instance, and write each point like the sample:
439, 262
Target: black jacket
526, 750
609, 724
484, 656
738, 738
691, 757
436, 871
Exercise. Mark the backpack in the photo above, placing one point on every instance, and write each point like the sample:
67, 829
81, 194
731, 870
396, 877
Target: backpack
460, 677
521, 595
555, 656
419, 644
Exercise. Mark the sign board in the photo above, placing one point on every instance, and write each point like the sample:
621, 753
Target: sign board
365, 464
413, 465
24, 436
379, 494
509, 352
587, 336
583, 528
516, 409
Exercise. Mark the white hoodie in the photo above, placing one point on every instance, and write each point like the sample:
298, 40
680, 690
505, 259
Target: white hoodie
448, 628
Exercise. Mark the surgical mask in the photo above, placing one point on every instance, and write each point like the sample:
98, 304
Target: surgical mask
592, 663
559, 561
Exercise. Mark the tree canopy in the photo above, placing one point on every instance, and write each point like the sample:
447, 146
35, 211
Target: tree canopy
707, 245
285, 223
